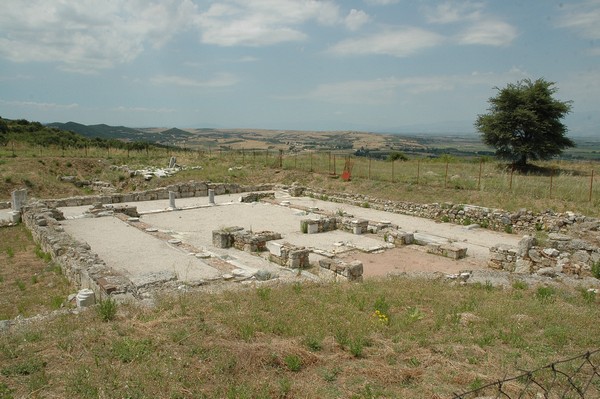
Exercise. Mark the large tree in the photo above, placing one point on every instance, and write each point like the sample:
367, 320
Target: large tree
524, 122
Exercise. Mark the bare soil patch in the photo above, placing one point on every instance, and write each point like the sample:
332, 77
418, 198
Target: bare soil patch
409, 259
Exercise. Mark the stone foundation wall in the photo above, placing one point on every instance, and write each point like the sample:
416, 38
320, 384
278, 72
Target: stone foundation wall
352, 271
255, 197
79, 264
562, 254
243, 240
522, 221
289, 255
181, 190
321, 225
82, 266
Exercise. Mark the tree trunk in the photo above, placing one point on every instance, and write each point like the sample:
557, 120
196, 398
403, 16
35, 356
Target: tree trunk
522, 162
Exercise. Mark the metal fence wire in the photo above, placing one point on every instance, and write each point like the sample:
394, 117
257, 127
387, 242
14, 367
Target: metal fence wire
576, 377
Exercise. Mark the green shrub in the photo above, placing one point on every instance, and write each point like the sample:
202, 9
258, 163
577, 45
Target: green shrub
589, 296
304, 227
263, 293
107, 309
508, 229
293, 362
596, 269
27, 367
313, 343
20, 284
356, 346
545, 294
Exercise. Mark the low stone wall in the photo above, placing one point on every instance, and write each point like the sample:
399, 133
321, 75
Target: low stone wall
522, 221
99, 209
243, 240
84, 267
181, 190
321, 225
79, 264
352, 271
354, 226
255, 197
289, 255
447, 251
563, 254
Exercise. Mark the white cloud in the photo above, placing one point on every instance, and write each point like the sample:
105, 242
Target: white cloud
452, 12
262, 22
385, 90
477, 26
219, 80
491, 33
381, 2
144, 110
583, 18
39, 105
356, 19
397, 43
87, 35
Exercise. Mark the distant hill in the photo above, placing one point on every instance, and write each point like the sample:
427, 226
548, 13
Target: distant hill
124, 133
101, 131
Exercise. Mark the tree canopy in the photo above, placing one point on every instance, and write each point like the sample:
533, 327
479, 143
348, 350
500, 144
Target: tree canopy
524, 122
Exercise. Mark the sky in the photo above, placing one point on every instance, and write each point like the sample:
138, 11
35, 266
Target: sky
375, 65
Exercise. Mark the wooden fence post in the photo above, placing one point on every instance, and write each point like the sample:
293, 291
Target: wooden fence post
446, 176
392, 170
479, 179
551, 178
512, 170
591, 185
334, 172
418, 170
369, 168
311, 161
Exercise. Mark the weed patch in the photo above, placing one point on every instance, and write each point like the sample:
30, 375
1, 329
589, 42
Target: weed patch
107, 309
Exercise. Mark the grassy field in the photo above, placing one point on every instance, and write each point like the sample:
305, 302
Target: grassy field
399, 337
381, 339
29, 282
561, 186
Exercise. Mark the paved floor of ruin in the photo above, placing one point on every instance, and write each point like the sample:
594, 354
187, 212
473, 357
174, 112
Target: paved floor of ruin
131, 249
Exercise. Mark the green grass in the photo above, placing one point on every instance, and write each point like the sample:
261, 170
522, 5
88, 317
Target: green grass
107, 309
28, 283
320, 341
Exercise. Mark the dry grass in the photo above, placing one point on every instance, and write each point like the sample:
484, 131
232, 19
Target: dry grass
563, 186
260, 342
29, 283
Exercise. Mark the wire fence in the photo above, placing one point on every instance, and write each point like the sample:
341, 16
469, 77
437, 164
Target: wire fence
575, 377
575, 182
